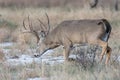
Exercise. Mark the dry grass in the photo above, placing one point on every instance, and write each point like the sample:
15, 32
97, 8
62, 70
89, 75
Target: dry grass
2, 56
67, 71
57, 3
56, 15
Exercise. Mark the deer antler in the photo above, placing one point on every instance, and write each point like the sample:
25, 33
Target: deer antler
43, 26
25, 31
31, 30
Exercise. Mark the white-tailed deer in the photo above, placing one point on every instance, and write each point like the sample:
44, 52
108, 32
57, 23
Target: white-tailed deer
72, 32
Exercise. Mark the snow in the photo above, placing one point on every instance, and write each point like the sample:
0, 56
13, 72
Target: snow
6, 44
37, 79
27, 59
118, 58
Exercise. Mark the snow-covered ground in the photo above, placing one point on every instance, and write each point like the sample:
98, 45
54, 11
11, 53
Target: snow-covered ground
37, 79
6, 44
25, 59
28, 59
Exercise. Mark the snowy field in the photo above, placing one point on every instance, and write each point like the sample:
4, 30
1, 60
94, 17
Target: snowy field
26, 59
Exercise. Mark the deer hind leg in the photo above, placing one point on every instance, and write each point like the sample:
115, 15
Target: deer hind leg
108, 53
103, 44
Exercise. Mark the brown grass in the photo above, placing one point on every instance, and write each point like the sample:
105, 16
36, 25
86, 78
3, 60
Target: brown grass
67, 71
55, 3
2, 56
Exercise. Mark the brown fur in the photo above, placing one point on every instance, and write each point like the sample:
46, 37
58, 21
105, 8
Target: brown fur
72, 32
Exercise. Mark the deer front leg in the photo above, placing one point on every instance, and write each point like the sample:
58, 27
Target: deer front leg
66, 53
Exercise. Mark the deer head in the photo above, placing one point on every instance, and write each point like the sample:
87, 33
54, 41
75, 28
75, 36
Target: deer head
40, 34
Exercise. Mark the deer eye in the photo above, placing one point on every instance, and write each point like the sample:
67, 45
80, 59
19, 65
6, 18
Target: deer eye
42, 34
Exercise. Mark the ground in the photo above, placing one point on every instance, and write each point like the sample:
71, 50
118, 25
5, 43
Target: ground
17, 49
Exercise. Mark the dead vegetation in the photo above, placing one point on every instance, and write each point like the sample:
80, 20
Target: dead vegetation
84, 69
2, 56
112, 4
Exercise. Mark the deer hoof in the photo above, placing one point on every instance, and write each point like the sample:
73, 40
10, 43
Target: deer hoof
36, 55
71, 59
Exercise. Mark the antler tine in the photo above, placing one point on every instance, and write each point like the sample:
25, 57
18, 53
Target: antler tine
30, 26
48, 23
41, 24
32, 30
24, 24
25, 31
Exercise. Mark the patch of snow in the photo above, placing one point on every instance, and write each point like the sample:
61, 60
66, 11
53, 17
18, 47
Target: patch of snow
6, 50
48, 53
6, 44
73, 56
26, 59
118, 58
37, 79
53, 60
